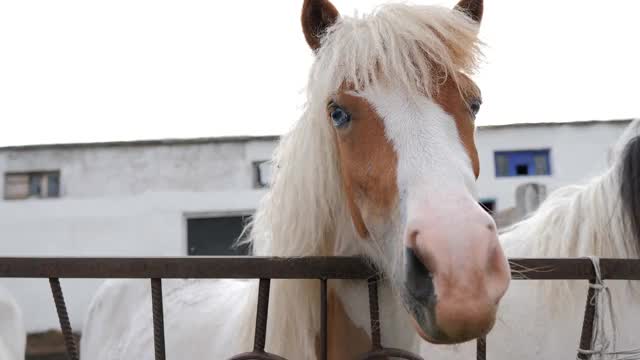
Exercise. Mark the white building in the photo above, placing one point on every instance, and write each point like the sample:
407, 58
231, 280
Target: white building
169, 198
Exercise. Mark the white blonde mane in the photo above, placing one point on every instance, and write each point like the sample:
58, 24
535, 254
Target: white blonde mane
304, 213
416, 47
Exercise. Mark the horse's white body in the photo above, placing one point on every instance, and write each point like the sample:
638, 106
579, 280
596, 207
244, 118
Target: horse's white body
214, 319
543, 319
12, 331
203, 318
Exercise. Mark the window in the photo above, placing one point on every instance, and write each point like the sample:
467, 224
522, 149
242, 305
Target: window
262, 174
522, 163
41, 184
215, 235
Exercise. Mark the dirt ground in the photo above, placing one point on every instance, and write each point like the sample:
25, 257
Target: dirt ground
47, 345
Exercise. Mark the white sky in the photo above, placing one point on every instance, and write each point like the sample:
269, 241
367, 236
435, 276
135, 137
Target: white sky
80, 70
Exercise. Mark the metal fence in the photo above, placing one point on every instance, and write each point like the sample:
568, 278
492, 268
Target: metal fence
267, 268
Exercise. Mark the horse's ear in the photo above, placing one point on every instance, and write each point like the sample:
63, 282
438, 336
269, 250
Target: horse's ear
317, 16
473, 8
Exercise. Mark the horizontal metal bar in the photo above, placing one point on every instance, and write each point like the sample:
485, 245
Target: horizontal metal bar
249, 267
573, 269
230, 267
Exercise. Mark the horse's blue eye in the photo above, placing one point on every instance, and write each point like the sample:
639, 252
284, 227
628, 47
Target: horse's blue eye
340, 117
474, 106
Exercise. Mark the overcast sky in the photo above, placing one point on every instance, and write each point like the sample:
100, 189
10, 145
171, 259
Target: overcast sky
80, 70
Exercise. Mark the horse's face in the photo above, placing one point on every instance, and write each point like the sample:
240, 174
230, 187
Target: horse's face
408, 167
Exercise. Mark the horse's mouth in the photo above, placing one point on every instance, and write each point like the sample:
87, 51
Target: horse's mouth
420, 299
424, 322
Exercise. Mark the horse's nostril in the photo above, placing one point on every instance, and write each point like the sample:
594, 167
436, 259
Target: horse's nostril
419, 279
413, 238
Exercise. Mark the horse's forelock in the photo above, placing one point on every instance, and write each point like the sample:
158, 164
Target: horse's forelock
630, 187
417, 47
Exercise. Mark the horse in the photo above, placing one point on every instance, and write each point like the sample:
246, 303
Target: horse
601, 217
12, 332
382, 164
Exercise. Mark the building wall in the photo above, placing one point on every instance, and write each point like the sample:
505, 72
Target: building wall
133, 200
131, 170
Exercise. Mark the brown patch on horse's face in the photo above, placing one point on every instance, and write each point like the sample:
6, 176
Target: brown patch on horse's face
345, 340
368, 162
456, 104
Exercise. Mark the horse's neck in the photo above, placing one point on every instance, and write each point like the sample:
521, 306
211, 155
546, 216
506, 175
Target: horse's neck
348, 333
294, 316
349, 321
294, 319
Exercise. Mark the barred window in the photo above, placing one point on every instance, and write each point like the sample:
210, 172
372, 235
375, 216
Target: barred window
522, 163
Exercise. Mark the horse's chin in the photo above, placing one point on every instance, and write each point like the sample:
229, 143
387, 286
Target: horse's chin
423, 335
424, 322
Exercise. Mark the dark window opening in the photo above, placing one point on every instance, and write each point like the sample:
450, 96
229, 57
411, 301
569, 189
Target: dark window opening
215, 235
262, 174
522, 169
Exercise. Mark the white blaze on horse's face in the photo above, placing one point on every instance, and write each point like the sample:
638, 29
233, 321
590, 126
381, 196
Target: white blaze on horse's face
408, 164
455, 271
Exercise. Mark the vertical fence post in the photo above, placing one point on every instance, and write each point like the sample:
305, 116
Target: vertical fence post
158, 319
63, 317
586, 338
262, 315
376, 338
481, 348
379, 352
323, 319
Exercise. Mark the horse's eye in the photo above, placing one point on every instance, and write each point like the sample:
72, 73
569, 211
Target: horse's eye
339, 116
474, 106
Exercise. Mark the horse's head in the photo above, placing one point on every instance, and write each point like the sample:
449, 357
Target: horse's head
402, 115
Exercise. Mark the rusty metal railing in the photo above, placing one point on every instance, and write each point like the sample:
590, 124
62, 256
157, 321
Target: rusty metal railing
265, 268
